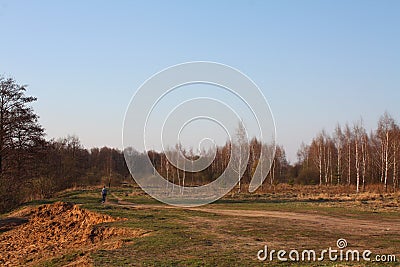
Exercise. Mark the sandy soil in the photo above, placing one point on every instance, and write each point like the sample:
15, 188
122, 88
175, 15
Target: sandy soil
355, 225
44, 232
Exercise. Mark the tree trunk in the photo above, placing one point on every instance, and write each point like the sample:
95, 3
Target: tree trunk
357, 165
273, 172
386, 159
349, 165
382, 161
320, 164
339, 169
325, 164
364, 160
184, 174
394, 165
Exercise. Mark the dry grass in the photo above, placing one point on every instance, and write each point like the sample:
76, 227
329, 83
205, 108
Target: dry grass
325, 192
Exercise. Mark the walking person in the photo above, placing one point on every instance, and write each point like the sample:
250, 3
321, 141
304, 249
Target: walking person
103, 194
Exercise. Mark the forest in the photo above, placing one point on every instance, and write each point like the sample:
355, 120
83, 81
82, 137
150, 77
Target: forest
32, 167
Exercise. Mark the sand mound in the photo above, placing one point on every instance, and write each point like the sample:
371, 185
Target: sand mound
54, 229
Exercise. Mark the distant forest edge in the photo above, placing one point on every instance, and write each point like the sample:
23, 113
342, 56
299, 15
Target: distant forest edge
32, 167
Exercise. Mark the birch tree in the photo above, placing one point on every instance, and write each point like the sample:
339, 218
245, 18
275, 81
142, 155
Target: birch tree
395, 146
317, 148
364, 153
339, 143
239, 152
348, 135
359, 149
386, 127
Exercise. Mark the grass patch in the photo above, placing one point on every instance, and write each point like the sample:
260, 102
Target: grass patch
62, 260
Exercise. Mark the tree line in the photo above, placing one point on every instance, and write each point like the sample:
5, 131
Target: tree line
352, 156
32, 167
220, 158
348, 156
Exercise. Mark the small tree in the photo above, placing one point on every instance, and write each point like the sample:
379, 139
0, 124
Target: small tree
240, 149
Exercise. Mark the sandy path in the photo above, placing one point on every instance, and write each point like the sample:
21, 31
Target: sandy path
363, 226
324, 221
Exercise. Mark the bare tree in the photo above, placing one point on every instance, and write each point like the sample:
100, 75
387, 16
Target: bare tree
318, 147
364, 153
386, 127
339, 143
303, 154
395, 155
348, 135
239, 151
359, 133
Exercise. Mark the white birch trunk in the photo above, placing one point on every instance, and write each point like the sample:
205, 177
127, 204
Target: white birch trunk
364, 159
339, 162
349, 165
357, 164
394, 165
386, 159
320, 169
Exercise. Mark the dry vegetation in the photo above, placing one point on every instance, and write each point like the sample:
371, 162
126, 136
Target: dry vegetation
324, 192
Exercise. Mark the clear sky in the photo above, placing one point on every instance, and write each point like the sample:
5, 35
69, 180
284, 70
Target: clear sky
317, 62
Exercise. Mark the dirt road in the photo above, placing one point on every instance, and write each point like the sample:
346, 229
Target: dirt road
361, 226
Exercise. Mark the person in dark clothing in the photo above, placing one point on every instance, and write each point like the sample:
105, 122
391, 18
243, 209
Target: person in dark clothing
103, 194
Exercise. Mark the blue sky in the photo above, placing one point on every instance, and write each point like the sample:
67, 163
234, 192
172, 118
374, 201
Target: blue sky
317, 62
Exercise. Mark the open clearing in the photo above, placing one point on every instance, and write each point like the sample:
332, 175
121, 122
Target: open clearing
134, 230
